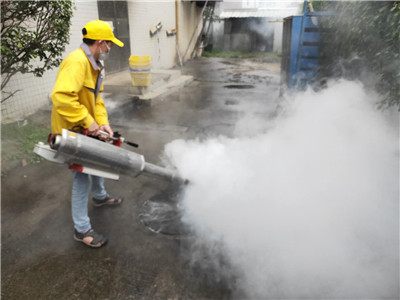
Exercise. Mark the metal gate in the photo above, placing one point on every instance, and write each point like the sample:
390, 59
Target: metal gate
300, 51
301, 48
117, 13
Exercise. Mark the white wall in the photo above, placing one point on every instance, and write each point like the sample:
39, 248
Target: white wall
35, 91
218, 34
143, 15
190, 24
278, 35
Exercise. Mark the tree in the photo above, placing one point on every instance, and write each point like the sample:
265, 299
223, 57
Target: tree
33, 37
365, 34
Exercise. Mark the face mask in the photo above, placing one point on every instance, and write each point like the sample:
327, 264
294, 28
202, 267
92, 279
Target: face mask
104, 55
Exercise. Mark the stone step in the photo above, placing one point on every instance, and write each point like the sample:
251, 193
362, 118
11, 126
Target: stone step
121, 82
166, 89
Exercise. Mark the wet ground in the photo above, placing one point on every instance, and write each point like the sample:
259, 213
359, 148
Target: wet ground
40, 259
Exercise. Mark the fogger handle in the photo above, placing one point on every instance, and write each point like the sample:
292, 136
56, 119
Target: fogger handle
132, 144
118, 138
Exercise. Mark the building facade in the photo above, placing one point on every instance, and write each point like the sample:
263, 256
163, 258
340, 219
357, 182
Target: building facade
252, 25
132, 21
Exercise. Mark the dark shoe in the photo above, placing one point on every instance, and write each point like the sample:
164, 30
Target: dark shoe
108, 200
98, 239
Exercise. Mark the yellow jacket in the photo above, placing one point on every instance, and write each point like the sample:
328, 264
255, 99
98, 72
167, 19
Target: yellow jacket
76, 94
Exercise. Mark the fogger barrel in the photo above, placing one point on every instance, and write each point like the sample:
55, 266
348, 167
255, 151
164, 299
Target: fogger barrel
84, 152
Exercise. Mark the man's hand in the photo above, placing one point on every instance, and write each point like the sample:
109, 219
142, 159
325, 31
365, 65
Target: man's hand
94, 129
108, 129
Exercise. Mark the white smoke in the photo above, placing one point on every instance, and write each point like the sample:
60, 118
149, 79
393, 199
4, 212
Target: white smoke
308, 209
262, 27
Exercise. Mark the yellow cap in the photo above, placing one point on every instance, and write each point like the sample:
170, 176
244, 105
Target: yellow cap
100, 30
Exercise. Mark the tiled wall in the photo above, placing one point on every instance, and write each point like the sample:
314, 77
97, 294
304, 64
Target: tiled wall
32, 94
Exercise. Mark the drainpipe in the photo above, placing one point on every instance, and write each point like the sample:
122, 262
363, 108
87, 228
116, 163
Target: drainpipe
177, 31
177, 22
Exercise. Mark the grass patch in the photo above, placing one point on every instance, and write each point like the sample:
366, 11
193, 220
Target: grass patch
18, 141
265, 56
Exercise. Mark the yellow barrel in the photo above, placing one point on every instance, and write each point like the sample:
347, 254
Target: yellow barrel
139, 66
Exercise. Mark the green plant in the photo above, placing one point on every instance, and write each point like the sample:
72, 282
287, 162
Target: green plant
19, 140
370, 32
33, 37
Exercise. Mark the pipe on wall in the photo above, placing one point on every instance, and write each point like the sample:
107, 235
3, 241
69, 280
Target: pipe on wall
177, 22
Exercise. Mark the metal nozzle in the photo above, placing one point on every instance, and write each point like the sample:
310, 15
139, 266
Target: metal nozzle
55, 142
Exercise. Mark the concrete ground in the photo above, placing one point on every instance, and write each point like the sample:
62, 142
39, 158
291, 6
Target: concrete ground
40, 259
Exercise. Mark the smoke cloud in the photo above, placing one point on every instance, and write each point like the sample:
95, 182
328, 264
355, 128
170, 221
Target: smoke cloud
308, 208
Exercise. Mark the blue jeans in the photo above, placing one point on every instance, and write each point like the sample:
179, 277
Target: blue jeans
80, 194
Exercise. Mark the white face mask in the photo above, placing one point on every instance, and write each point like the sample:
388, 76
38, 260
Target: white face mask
104, 55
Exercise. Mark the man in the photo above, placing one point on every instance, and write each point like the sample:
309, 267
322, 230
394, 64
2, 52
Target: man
77, 106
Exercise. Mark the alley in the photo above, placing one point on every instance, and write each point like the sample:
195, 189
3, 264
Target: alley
40, 259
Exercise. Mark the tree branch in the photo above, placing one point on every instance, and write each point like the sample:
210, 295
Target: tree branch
9, 96
27, 30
